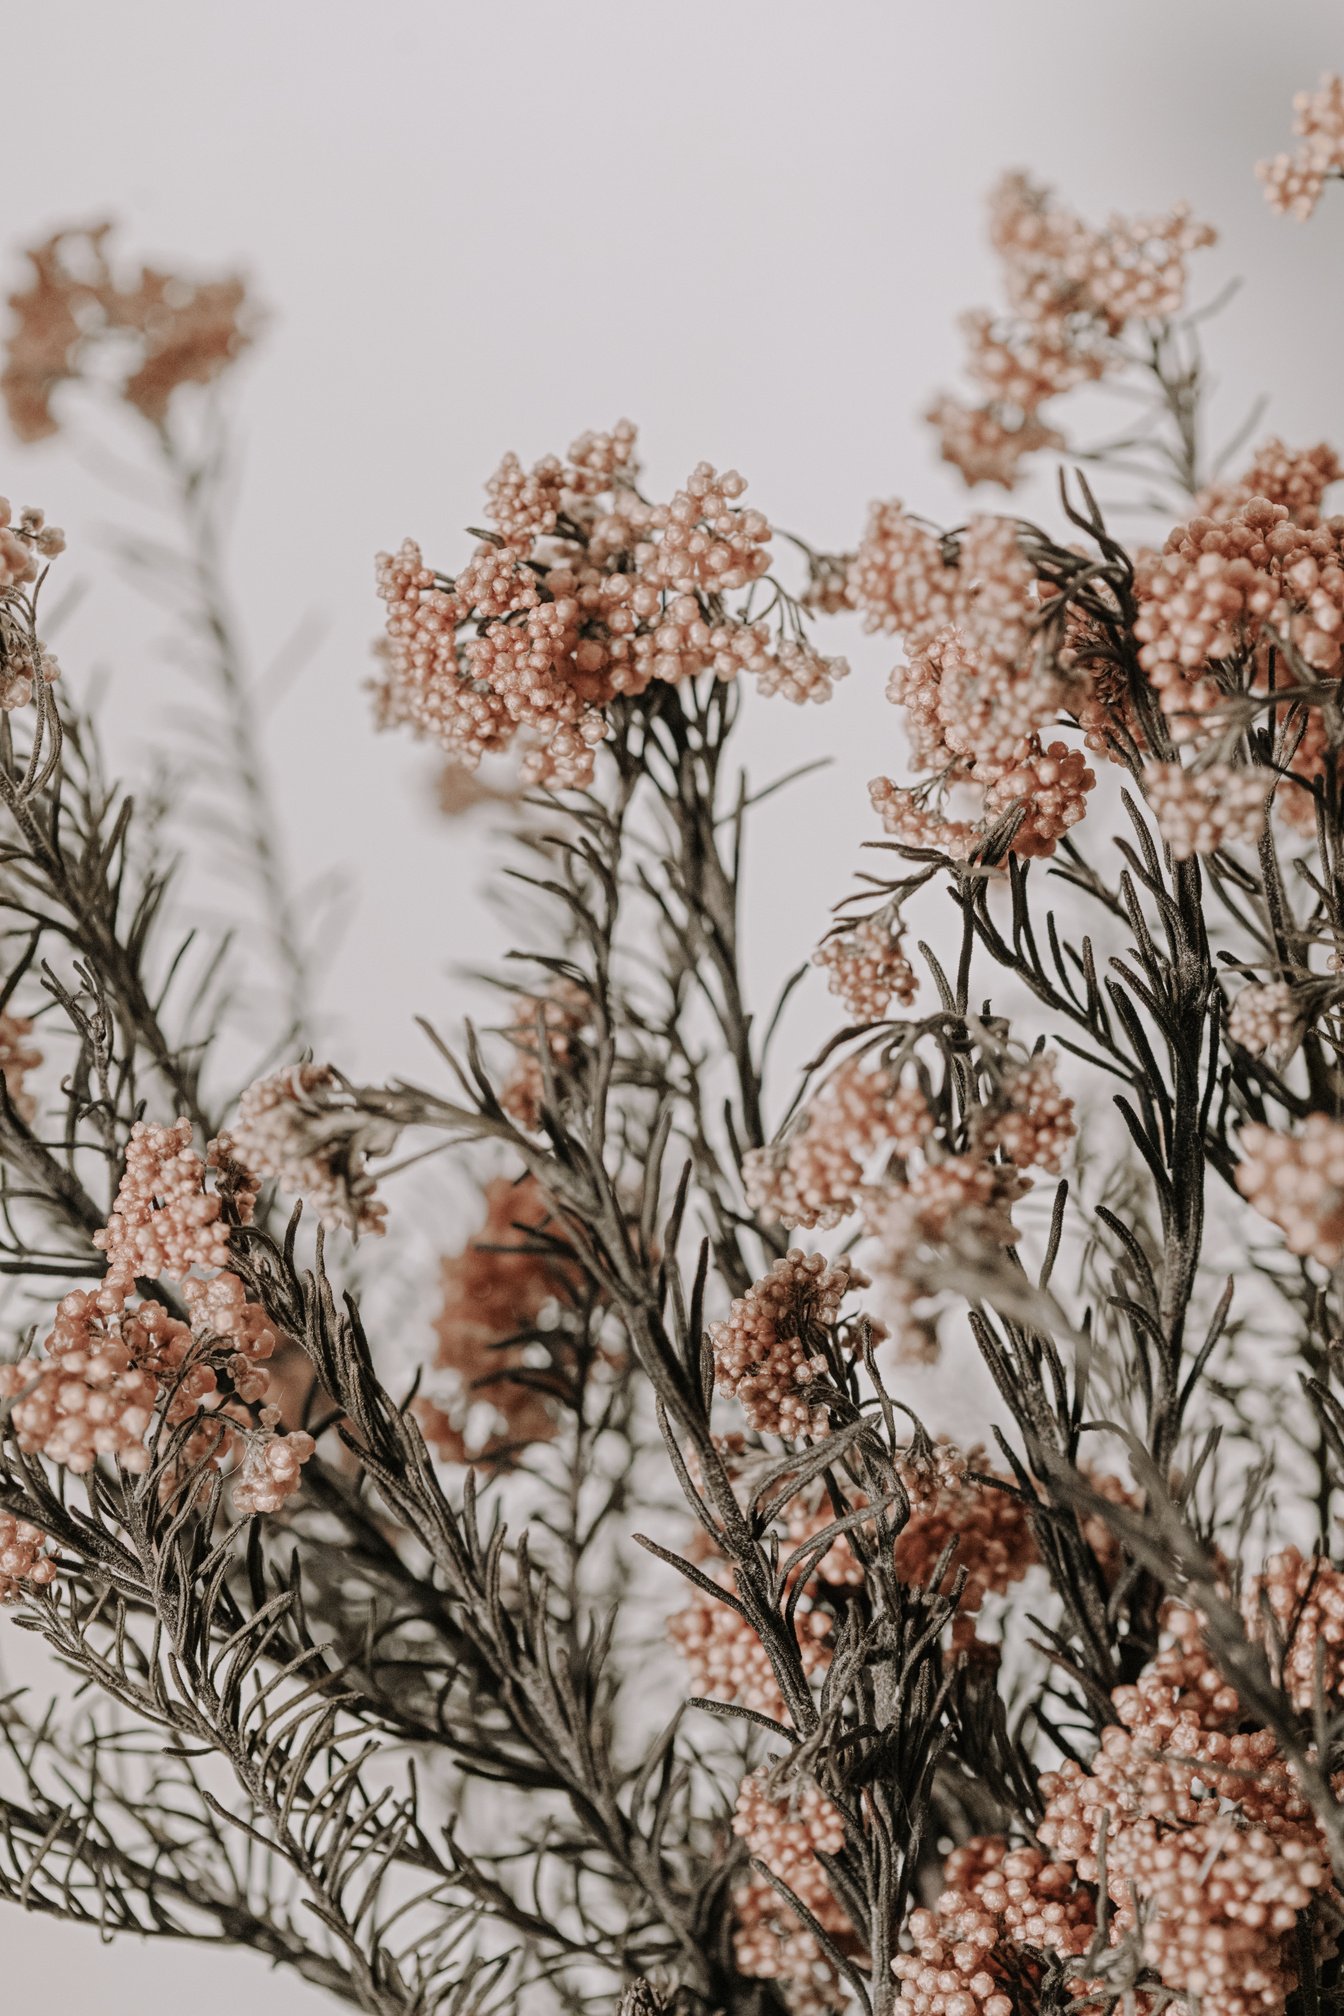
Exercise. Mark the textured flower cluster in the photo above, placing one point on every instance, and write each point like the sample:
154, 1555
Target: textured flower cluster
982, 690
866, 967
815, 1176
25, 662
1297, 1608
1223, 590
1210, 1860
546, 1030
495, 1291
962, 1530
163, 331
19, 1056
1297, 1182
584, 593
787, 1826
1264, 1018
26, 1560
1199, 811
1070, 290
768, 1350
115, 1367
1293, 182
297, 1128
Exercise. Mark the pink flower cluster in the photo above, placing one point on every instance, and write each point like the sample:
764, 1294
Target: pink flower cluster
1265, 1020
987, 1529
1295, 479
494, 1291
787, 1827
585, 593
1070, 289
1209, 1858
1296, 1608
562, 1014
18, 1057
815, 1176
1293, 182
1297, 1182
113, 1366
1211, 1853
1031, 1121
24, 662
26, 1561
767, 1352
163, 330
980, 693
866, 967
995, 1899
1222, 588
297, 1128
1199, 811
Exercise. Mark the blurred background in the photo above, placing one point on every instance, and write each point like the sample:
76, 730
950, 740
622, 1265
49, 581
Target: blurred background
750, 227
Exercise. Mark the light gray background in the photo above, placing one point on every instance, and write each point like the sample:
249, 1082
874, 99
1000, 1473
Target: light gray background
748, 226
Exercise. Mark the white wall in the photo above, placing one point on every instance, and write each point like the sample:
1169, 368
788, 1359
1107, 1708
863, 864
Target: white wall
749, 226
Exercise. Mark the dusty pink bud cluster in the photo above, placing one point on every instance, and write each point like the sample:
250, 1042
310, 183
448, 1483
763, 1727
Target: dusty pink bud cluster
1070, 289
26, 1561
1031, 1121
787, 1827
1199, 811
866, 967
815, 1176
586, 593
161, 330
114, 1367
987, 1529
995, 1899
1264, 1019
495, 1291
562, 1014
297, 1128
1296, 479
1209, 1858
1297, 1182
1211, 1853
981, 691
1293, 182
1296, 1609
19, 1056
24, 661
767, 1352
1222, 587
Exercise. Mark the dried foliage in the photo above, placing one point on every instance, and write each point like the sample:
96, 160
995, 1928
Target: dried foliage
647, 1651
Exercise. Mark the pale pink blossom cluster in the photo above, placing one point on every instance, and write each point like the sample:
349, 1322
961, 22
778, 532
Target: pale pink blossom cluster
24, 544
1210, 1854
1070, 289
1294, 478
787, 1826
296, 1128
766, 1351
988, 1529
584, 593
1264, 1019
1223, 588
473, 1407
26, 1561
114, 1366
866, 966
1296, 1608
962, 1959
725, 1658
1199, 811
1297, 1182
19, 1056
815, 1176
1209, 1860
1031, 1120
1293, 182
545, 1027
981, 691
